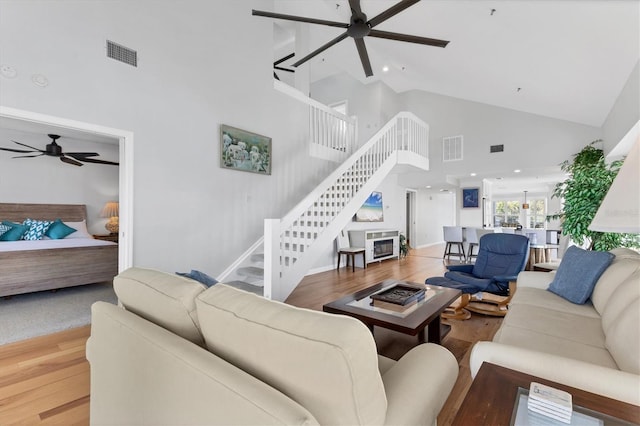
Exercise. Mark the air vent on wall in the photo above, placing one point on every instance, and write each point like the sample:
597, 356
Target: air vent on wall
452, 148
496, 148
122, 54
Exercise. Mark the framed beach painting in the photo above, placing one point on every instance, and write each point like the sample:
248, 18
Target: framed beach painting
470, 198
371, 210
245, 151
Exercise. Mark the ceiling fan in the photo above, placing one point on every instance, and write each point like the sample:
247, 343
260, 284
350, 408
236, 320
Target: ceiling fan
55, 150
358, 28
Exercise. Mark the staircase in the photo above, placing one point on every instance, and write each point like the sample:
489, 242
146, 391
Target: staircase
291, 245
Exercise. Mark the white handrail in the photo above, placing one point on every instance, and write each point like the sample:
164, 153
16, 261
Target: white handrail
328, 128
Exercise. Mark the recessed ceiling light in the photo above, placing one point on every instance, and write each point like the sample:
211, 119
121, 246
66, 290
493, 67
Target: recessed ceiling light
473, 174
428, 186
516, 171
385, 68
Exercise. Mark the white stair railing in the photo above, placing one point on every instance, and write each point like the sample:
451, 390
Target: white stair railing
332, 135
292, 244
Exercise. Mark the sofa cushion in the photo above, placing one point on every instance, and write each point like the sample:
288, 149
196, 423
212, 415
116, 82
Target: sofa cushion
543, 342
623, 265
623, 338
572, 327
164, 299
327, 363
545, 299
578, 273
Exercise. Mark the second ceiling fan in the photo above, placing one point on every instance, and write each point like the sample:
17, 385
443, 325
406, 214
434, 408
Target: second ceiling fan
358, 28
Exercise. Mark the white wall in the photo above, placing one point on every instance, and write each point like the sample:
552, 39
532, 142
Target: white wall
48, 180
435, 210
625, 112
201, 64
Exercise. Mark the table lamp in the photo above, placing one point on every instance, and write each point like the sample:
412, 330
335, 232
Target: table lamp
110, 210
620, 209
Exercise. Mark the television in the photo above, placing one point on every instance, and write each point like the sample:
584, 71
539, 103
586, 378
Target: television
371, 210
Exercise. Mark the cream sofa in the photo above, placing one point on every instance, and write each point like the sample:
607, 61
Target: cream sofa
595, 346
175, 352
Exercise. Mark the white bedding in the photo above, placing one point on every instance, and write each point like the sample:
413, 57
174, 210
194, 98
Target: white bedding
7, 246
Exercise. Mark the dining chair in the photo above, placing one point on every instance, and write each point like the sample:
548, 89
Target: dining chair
344, 248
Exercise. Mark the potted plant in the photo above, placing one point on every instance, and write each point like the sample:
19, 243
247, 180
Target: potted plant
582, 193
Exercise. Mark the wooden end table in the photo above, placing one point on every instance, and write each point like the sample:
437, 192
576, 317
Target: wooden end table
492, 397
413, 321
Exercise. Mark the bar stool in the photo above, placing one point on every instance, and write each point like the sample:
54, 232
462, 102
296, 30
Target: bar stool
453, 237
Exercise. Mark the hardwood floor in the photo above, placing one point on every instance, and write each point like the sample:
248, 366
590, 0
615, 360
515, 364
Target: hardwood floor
46, 380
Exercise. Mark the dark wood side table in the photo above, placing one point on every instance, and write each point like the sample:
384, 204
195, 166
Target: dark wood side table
492, 397
110, 237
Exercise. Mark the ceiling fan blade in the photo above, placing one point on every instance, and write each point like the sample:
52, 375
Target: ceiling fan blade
16, 150
70, 161
392, 11
283, 69
409, 38
321, 49
80, 155
355, 7
96, 161
28, 146
364, 56
281, 60
299, 19
28, 156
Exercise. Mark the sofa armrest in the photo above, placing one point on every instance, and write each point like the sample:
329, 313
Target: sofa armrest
144, 374
418, 385
535, 279
593, 378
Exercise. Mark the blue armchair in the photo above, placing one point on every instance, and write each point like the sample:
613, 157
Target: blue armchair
500, 259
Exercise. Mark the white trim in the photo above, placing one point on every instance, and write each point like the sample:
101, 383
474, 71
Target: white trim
125, 246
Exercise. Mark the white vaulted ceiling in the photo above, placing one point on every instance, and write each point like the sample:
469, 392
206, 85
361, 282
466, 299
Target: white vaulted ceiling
570, 58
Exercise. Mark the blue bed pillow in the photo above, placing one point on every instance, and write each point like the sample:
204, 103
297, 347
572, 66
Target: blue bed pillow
37, 229
58, 230
4, 228
15, 232
578, 273
201, 277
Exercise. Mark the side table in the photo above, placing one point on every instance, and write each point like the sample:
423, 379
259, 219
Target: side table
492, 397
109, 237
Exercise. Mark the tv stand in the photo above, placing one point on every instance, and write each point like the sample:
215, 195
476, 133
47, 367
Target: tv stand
379, 244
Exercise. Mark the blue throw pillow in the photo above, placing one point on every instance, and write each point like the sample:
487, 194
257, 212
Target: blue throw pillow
578, 273
59, 230
4, 228
201, 277
15, 233
37, 229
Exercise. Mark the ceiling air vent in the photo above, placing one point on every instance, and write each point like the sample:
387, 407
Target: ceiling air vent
496, 148
123, 54
452, 148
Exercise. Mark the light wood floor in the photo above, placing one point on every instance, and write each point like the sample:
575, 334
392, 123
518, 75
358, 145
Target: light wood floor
46, 380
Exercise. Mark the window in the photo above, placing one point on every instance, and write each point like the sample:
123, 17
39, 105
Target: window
536, 215
506, 213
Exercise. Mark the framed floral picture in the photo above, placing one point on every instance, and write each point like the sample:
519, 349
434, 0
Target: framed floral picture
470, 198
245, 151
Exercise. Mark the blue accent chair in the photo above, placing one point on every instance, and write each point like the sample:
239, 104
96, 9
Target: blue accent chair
500, 259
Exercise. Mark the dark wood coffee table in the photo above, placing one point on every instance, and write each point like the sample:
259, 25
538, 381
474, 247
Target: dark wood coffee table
492, 398
413, 321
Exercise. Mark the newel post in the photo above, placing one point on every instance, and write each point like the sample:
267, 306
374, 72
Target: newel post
271, 257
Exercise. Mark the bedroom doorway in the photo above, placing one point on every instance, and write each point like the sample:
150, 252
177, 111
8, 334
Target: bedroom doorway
125, 171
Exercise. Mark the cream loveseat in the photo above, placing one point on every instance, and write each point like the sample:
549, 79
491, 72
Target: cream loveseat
175, 352
594, 347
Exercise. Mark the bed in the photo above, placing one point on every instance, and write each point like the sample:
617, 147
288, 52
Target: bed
30, 266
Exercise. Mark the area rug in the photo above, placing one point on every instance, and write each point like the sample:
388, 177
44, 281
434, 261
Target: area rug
36, 314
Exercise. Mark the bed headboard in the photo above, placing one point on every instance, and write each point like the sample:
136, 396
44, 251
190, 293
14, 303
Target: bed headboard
19, 211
